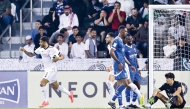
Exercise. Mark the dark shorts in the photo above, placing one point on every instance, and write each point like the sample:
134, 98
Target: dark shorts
180, 106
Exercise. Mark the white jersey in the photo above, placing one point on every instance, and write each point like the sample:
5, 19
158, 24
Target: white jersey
47, 56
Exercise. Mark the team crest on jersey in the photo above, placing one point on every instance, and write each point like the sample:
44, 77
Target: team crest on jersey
115, 44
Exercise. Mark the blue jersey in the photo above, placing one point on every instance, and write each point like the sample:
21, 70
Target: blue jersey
131, 54
119, 49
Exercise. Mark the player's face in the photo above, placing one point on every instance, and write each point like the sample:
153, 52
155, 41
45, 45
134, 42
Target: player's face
42, 44
108, 39
169, 80
122, 33
60, 39
129, 40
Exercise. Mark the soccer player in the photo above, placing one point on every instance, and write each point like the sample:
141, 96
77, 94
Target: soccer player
120, 73
110, 82
50, 56
174, 92
131, 58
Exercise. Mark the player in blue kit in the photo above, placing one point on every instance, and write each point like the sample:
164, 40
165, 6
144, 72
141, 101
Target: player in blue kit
131, 58
120, 73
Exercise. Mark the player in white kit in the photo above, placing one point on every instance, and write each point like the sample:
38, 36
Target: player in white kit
50, 56
110, 82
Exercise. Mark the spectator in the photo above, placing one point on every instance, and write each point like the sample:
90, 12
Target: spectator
37, 39
18, 4
35, 31
90, 45
142, 39
13, 12
144, 10
134, 22
108, 5
28, 47
87, 34
62, 46
126, 6
170, 48
176, 30
59, 5
116, 17
51, 22
101, 24
79, 8
183, 49
92, 12
72, 37
77, 50
67, 20
161, 2
63, 31
5, 13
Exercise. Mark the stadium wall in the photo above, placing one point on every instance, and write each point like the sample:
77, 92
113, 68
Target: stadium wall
21, 89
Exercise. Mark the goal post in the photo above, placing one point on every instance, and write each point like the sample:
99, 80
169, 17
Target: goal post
152, 8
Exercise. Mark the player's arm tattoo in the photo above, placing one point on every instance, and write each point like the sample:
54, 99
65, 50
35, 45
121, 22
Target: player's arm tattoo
30, 54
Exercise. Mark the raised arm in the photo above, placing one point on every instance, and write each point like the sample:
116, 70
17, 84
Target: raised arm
30, 54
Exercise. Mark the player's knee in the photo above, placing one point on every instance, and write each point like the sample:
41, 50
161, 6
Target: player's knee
42, 84
54, 86
159, 95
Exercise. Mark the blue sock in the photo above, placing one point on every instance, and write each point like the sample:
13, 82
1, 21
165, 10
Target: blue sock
118, 91
120, 99
127, 95
134, 96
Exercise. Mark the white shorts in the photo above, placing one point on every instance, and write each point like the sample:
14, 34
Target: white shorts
50, 76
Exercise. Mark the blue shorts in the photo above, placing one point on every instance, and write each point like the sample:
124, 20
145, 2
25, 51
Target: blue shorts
119, 74
135, 76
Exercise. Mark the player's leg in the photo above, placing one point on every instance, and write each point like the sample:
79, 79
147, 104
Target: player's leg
177, 102
110, 82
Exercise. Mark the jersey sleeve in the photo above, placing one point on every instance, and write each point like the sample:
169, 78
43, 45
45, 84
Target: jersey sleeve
179, 84
163, 87
115, 44
37, 51
54, 52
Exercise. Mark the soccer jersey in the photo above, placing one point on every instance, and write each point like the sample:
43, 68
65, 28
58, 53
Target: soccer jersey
171, 89
131, 54
47, 55
119, 49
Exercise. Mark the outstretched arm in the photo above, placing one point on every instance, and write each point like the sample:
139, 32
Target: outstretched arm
57, 58
26, 52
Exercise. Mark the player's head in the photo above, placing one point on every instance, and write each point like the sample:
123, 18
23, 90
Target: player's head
110, 37
79, 38
93, 33
60, 38
169, 77
122, 31
43, 41
128, 39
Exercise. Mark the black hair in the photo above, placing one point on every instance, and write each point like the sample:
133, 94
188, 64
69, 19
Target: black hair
75, 27
41, 27
90, 27
121, 27
60, 35
92, 30
79, 34
44, 39
170, 75
117, 3
182, 38
39, 21
111, 34
63, 30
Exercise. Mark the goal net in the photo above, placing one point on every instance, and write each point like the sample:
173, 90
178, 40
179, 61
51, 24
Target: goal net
169, 42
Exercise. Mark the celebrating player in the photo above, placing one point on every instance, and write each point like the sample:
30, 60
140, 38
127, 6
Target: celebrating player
120, 73
110, 82
174, 92
50, 56
131, 58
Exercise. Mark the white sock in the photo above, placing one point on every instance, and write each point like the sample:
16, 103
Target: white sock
111, 88
62, 89
135, 89
44, 91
